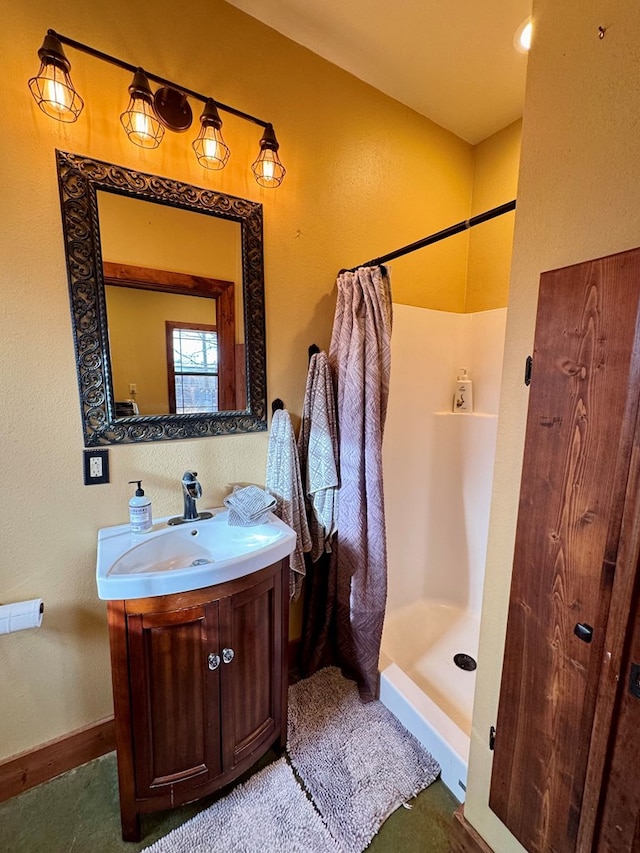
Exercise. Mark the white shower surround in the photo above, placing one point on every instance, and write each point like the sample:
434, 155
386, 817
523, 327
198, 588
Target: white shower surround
438, 472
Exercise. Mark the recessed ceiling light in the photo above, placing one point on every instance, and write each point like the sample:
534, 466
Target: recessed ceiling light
522, 38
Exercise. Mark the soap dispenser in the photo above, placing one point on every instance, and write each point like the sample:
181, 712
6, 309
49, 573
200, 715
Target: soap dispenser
463, 396
140, 510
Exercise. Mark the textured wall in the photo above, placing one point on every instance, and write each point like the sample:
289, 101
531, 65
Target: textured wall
577, 199
479, 258
365, 175
495, 181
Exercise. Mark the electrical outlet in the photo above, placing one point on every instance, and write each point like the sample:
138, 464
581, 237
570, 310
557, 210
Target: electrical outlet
96, 467
133, 389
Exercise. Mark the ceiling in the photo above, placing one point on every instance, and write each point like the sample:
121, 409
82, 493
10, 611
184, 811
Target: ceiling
451, 60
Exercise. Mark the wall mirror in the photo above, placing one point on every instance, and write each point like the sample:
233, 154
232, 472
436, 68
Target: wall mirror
166, 287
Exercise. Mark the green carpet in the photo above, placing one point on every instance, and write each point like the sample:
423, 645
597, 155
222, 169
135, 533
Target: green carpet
78, 812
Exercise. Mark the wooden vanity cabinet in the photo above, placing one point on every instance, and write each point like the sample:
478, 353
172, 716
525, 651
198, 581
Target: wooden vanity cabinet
200, 689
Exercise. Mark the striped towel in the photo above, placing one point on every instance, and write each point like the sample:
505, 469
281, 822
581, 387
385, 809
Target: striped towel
283, 482
318, 449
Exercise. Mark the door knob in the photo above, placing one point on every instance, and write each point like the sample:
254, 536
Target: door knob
227, 655
583, 632
213, 660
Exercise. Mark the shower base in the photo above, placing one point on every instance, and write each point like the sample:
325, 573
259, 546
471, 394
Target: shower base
422, 685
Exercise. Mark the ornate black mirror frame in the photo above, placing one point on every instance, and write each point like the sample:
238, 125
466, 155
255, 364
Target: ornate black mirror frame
80, 178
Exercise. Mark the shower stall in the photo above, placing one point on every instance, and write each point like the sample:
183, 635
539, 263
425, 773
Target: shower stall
438, 471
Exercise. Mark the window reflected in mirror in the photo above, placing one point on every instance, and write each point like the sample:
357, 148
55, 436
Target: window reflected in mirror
151, 283
192, 366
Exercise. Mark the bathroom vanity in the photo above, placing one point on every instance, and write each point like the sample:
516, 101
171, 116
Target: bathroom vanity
200, 688
198, 627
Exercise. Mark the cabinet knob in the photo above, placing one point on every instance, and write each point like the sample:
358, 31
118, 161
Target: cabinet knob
227, 655
213, 661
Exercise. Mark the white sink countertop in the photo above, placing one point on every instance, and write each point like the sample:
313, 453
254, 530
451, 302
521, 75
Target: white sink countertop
187, 556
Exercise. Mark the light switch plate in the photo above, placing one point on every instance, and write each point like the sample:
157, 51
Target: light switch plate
96, 467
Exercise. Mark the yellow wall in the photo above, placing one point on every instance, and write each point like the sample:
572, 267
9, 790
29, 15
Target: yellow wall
144, 234
479, 259
577, 200
495, 181
365, 175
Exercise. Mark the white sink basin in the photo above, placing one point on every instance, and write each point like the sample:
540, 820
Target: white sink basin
187, 556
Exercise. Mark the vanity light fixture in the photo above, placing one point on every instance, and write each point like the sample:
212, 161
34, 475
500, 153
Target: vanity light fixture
210, 147
138, 120
149, 114
268, 169
52, 88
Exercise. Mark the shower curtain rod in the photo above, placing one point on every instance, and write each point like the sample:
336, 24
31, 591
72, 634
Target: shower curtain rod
507, 207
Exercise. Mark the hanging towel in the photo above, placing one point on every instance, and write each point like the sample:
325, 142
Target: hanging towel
318, 448
248, 506
283, 482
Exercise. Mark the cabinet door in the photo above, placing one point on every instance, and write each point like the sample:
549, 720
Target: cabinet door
251, 628
175, 699
582, 412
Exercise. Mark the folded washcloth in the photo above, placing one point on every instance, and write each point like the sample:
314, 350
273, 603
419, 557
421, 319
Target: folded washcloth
248, 506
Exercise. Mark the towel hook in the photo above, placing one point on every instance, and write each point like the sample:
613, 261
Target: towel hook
276, 404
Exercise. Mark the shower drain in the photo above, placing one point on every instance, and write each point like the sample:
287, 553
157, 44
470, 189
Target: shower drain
464, 661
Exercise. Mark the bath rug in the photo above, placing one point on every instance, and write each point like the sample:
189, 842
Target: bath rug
270, 813
357, 762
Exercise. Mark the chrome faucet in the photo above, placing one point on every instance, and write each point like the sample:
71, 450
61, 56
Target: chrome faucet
191, 491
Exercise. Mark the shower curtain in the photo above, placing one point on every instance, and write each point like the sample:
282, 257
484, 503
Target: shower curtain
360, 358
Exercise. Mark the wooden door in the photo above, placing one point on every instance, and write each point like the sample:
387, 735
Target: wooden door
175, 699
251, 628
582, 412
619, 824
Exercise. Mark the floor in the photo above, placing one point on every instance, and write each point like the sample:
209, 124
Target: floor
78, 813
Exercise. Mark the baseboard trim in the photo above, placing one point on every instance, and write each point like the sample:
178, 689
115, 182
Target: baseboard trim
464, 838
44, 762
30, 768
